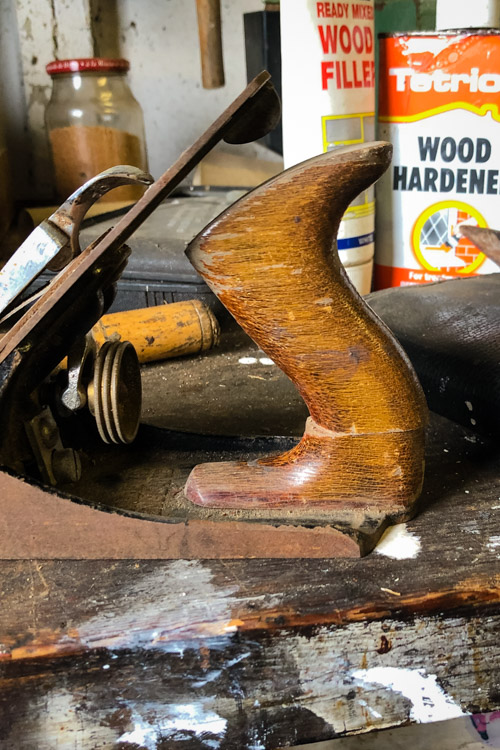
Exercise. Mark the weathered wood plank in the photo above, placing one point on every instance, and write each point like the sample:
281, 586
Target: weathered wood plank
259, 653
253, 653
247, 690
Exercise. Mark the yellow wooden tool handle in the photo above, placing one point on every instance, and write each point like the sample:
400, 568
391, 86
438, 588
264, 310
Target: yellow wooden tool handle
163, 331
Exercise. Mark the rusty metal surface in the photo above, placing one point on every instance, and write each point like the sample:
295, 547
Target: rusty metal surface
42, 524
144, 482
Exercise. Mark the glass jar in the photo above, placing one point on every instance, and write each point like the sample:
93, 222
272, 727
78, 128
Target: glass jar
93, 122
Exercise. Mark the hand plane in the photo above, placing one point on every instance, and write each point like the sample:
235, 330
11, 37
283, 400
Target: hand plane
271, 259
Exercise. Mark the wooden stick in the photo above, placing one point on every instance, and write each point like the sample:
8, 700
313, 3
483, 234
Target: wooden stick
210, 32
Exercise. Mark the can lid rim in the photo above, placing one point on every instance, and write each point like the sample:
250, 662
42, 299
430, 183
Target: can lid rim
479, 31
83, 64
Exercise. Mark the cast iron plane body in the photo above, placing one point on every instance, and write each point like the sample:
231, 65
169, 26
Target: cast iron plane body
271, 259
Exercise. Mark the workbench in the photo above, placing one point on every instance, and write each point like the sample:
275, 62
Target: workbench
253, 653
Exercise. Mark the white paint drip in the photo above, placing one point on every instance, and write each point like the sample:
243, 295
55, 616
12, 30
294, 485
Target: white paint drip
374, 713
184, 717
142, 735
428, 699
468, 405
443, 384
58, 707
335, 662
253, 361
493, 543
399, 543
152, 617
214, 674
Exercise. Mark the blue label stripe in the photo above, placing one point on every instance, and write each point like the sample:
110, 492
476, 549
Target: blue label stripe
364, 239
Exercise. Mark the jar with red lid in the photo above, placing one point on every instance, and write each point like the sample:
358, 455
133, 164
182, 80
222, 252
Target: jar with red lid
93, 122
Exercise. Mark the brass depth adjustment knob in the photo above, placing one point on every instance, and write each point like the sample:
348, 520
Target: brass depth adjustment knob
115, 393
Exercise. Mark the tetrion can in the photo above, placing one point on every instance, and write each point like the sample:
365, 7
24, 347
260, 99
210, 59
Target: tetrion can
439, 107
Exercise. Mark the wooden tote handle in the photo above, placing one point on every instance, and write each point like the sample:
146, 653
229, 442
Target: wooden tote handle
210, 33
269, 258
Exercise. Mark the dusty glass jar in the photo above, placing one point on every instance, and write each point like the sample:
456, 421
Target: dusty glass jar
93, 122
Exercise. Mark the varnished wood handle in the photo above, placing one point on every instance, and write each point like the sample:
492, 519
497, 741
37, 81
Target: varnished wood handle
271, 258
210, 33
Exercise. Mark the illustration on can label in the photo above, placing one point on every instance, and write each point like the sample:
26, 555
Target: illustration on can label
439, 98
438, 244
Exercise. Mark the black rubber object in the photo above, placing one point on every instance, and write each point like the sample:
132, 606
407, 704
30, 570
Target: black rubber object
451, 332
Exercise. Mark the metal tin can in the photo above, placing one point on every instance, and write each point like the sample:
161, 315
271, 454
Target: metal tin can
439, 107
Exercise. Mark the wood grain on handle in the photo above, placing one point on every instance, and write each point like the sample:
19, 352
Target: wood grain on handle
210, 33
269, 258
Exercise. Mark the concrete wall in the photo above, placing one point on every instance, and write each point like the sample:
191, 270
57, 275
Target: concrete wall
12, 104
160, 38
